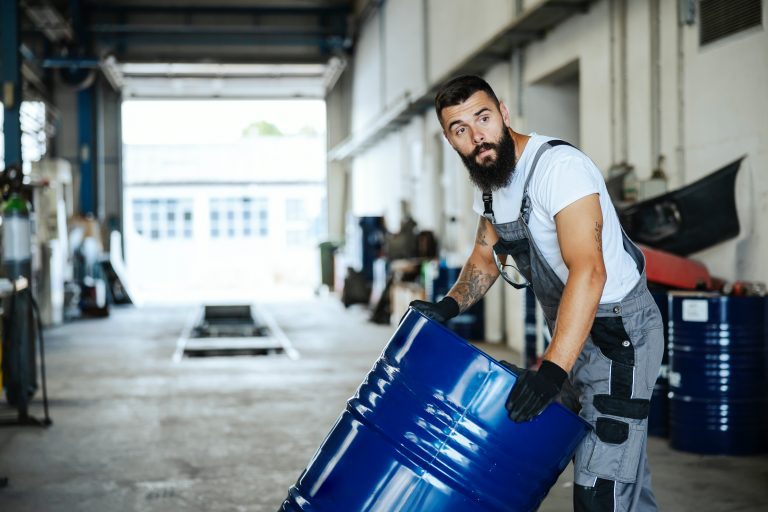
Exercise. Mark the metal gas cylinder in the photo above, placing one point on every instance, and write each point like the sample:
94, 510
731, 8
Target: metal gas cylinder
19, 355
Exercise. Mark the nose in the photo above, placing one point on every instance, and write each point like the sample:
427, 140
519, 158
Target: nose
478, 137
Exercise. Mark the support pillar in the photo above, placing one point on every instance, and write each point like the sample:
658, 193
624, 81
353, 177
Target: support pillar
10, 77
85, 128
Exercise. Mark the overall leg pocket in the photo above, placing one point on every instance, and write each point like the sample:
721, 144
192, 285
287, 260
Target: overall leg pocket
617, 450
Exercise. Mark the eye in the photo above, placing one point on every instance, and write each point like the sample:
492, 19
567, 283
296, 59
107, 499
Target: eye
484, 119
460, 131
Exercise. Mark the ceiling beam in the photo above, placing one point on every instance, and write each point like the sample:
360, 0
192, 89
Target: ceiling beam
223, 10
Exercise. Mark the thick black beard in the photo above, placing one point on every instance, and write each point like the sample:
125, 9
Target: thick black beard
492, 174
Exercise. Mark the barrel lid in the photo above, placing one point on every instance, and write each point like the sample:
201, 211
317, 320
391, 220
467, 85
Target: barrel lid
694, 294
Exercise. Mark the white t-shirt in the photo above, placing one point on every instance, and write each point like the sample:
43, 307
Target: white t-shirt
563, 175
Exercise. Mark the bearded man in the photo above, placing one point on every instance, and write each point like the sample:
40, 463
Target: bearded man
546, 221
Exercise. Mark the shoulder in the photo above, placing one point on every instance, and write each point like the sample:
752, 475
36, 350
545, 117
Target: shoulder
565, 163
564, 174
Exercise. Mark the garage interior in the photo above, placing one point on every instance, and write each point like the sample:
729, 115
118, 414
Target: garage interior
184, 319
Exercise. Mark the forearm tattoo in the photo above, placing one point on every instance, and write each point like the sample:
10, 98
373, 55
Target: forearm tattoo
471, 286
482, 230
599, 236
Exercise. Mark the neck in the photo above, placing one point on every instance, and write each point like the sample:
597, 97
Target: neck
520, 142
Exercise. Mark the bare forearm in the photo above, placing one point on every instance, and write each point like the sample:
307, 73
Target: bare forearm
475, 279
575, 315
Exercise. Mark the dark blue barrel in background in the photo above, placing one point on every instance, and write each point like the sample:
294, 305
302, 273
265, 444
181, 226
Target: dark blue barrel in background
372, 235
717, 373
529, 323
658, 417
427, 431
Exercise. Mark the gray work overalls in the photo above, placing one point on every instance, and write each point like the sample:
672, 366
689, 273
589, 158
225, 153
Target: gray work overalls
614, 374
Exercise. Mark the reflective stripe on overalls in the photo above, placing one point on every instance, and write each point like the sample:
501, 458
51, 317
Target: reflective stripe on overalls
614, 374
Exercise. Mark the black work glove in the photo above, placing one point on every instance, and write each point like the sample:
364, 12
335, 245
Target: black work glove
534, 390
441, 311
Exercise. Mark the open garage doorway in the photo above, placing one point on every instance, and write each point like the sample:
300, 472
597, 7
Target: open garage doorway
224, 200
553, 104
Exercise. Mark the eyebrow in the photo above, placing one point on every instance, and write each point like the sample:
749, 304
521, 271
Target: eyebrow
450, 126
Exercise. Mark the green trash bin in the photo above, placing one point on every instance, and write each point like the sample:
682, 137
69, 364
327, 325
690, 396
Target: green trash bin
327, 250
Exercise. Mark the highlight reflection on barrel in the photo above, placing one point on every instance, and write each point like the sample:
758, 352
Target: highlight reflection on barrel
427, 430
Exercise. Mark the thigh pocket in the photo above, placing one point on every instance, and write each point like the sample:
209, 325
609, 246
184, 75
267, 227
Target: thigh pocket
609, 336
617, 450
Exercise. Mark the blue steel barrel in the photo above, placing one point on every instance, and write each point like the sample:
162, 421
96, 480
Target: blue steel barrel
427, 430
717, 373
658, 417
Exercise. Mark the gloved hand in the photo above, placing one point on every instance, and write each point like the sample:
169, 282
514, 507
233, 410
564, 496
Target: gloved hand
534, 390
441, 311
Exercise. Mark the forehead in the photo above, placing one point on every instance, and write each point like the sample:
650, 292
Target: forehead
466, 110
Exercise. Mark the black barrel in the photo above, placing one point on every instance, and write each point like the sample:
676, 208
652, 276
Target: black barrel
658, 418
717, 373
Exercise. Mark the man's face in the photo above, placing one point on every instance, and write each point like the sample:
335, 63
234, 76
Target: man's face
478, 131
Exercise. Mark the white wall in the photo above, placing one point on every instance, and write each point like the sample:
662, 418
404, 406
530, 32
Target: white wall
367, 78
457, 28
404, 72
583, 38
553, 108
639, 87
711, 107
726, 107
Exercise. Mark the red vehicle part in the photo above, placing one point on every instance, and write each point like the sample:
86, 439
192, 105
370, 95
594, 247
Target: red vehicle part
667, 269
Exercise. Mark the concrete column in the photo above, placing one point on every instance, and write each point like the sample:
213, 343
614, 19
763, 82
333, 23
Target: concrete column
109, 169
338, 111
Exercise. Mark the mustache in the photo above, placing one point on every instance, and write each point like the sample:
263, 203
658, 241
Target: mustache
484, 147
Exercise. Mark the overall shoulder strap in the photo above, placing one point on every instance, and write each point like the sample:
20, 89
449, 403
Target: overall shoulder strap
488, 206
525, 206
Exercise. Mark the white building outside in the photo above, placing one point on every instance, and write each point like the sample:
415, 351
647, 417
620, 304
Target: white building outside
218, 222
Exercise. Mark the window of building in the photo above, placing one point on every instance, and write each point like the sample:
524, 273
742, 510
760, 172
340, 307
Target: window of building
188, 220
263, 218
138, 216
722, 18
162, 218
295, 210
239, 217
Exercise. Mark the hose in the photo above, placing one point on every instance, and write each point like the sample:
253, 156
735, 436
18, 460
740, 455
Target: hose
47, 421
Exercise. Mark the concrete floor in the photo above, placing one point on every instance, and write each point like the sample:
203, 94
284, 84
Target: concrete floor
134, 431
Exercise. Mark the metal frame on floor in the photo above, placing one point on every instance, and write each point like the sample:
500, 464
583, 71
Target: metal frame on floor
275, 343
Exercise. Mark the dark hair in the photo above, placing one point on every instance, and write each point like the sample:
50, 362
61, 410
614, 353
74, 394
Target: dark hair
458, 89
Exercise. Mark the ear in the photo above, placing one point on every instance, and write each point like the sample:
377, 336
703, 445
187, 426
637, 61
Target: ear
504, 114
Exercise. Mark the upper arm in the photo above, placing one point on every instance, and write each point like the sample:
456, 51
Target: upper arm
579, 233
485, 239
